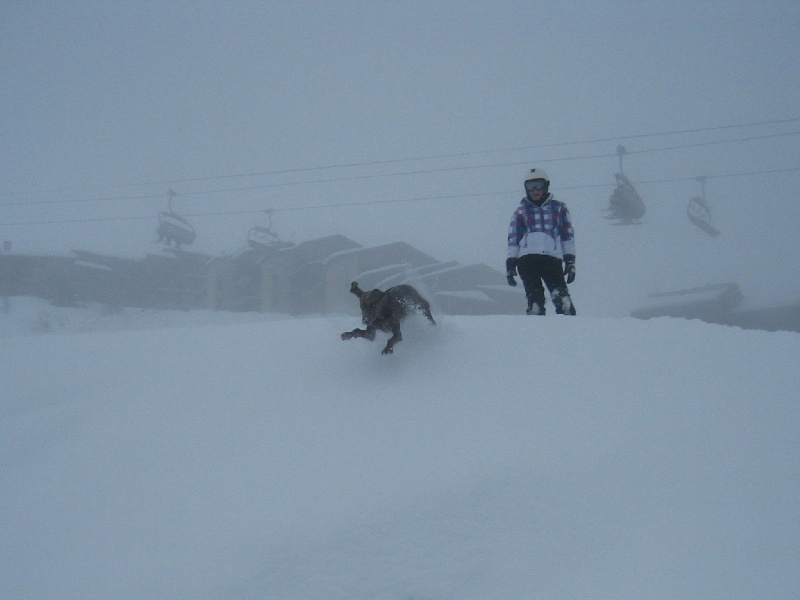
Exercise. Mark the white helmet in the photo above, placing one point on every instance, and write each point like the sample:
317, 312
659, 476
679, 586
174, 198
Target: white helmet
535, 174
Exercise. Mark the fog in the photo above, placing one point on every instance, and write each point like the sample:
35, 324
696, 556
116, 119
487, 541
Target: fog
395, 121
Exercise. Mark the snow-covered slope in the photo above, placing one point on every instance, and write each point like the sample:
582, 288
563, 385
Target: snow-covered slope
179, 456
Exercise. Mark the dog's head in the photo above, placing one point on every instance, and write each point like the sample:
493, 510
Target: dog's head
370, 302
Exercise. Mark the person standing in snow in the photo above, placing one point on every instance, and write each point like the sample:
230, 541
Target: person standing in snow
540, 237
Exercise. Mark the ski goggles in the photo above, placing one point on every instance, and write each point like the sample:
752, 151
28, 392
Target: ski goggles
535, 184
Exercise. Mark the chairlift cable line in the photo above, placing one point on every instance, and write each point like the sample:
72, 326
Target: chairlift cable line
473, 167
399, 160
389, 201
475, 152
402, 173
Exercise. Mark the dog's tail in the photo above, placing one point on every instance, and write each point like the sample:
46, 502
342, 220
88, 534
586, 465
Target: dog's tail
354, 289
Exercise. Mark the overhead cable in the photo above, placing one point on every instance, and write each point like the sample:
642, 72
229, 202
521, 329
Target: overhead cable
412, 159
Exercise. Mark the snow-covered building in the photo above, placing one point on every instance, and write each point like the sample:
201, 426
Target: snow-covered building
312, 277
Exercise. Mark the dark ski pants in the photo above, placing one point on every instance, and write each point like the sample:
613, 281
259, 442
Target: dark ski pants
537, 271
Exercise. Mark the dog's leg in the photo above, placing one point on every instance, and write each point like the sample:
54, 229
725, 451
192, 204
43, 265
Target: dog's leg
396, 337
426, 310
367, 334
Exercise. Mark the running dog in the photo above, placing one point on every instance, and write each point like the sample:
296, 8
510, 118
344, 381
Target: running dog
385, 310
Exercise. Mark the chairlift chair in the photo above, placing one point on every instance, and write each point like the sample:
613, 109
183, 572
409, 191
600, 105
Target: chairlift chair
174, 228
625, 204
262, 237
699, 212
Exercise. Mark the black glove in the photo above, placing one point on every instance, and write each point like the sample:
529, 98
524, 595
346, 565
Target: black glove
569, 267
511, 271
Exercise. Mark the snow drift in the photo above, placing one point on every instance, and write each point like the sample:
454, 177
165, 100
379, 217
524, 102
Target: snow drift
489, 457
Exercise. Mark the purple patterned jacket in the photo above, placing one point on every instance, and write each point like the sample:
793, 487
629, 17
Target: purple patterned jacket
545, 229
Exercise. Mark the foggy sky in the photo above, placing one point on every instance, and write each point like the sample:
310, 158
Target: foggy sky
246, 106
